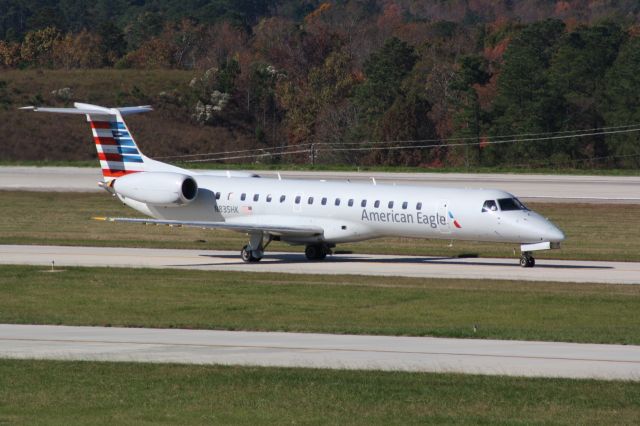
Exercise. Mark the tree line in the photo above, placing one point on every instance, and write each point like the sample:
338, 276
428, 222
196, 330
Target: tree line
368, 82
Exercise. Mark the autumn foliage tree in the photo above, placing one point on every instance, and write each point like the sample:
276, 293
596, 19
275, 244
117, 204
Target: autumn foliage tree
37, 47
355, 78
82, 50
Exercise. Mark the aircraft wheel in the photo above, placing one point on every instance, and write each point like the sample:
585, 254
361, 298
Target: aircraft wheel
315, 252
248, 255
527, 261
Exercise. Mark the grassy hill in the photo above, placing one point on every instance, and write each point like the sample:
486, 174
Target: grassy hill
167, 131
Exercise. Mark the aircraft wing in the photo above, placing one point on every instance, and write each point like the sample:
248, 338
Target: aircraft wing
274, 229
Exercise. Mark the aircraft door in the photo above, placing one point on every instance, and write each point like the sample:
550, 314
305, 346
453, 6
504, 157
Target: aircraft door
443, 216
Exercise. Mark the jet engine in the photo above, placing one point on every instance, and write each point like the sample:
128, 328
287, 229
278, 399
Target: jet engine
157, 188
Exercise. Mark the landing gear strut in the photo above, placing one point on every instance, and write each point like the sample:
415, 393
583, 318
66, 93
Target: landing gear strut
316, 251
527, 260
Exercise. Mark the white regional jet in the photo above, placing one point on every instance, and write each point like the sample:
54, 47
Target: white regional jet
317, 214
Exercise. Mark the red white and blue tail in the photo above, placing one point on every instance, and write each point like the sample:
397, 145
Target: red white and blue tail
117, 150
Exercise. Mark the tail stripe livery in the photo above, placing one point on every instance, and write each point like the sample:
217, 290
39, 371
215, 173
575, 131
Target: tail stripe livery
117, 150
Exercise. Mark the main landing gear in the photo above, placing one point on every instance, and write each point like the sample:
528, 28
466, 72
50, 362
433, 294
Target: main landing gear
317, 251
527, 260
254, 251
249, 255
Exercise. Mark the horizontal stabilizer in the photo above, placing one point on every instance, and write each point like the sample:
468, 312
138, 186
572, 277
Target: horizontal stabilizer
80, 108
298, 231
63, 110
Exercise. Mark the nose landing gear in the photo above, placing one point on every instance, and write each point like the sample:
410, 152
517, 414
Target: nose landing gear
527, 260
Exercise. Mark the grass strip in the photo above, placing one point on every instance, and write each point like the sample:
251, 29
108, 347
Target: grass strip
588, 313
59, 392
594, 231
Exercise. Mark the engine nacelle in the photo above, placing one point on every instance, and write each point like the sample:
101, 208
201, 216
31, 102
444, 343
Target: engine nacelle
157, 188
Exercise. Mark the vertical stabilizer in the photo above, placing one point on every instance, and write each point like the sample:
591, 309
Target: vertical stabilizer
117, 150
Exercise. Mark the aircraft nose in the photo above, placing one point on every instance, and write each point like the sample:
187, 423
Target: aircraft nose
554, 234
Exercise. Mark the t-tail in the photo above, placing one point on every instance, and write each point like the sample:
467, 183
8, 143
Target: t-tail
118, 152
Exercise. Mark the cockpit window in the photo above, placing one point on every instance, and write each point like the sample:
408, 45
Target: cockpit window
490, 206
507, 204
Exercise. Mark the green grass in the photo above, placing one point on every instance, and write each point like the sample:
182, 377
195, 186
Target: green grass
594, 231
313, 303
58, 392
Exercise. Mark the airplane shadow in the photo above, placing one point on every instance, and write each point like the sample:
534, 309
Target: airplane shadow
299, 258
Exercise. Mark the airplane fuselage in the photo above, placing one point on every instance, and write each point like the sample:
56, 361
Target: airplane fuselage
358, 211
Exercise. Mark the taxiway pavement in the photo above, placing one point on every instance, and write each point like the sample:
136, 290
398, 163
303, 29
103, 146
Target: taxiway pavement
351, 264
473, 356
550, 188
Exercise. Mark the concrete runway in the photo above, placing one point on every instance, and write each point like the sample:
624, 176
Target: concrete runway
551, 188
473, 356
351, 264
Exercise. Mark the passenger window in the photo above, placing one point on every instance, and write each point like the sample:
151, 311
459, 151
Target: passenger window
256, 197
376, 204
268, 198
323, 201
310, 200
350, 202
390, 205
297, 199
337, 201
243, 196
363, 203
404, 205
489, 206
229, 195
282, 198
419, 206
217, 195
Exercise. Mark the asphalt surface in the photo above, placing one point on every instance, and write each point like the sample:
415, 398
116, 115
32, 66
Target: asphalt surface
473, 356
550, 188
351, 264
